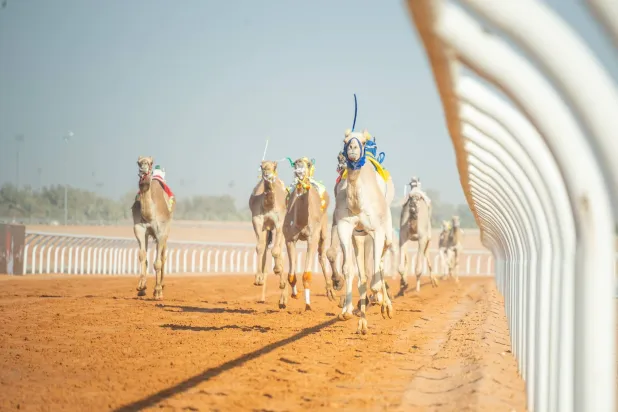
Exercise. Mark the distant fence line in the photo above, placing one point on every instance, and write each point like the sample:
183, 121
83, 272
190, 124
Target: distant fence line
85, 255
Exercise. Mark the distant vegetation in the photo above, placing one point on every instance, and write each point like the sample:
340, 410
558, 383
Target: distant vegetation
46, 205
84, 207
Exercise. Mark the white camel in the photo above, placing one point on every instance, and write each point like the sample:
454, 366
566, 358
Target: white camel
365, 211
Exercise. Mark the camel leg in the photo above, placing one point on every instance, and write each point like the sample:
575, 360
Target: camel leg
443, 263
331, 254
456, 263
359, 248
434, 279
163, 261
330, 292
283, 285
292, 278
158, 290
142, 240
380, 286
312, 245
345, 230
261, 259
420, 260
276, 251
403, 266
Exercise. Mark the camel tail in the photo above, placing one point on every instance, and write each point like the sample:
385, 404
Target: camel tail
269, 238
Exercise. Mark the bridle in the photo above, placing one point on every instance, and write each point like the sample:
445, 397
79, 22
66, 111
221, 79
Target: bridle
144, 175
354, 165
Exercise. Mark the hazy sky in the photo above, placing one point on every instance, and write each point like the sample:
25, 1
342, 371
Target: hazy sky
201, 84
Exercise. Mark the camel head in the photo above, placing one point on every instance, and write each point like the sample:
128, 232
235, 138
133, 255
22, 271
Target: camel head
144, 163
415, 198
303, 171
269, 170
415, 182
455, 221
354, 148
303, 168
446, 226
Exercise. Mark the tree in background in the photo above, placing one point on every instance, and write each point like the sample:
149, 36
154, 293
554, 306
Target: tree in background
46, 205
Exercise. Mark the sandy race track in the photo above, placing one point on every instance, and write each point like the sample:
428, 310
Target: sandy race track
87, 343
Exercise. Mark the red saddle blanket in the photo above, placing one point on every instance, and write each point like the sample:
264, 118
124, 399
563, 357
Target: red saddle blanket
164, 185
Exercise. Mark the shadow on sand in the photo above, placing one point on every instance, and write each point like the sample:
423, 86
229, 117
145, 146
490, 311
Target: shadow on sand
218, 370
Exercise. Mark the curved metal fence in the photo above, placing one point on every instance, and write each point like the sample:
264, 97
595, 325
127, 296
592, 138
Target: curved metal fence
539, 172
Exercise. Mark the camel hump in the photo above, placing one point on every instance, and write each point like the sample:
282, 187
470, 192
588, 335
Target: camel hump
168, 194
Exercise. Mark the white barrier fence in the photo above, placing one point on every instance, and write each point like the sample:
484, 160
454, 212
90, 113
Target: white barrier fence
540, 176
85, 255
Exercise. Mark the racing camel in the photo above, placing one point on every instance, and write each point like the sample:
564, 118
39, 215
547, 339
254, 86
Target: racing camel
365, 211
454, 247
415, 225
153, 212
267, 205
306, 220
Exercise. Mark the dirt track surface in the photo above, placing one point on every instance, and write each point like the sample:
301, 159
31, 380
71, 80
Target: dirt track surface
86, 343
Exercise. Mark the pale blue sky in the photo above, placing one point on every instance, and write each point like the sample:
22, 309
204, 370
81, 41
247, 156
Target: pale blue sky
200, 84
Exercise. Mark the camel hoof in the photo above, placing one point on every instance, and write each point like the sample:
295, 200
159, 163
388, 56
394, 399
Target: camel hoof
341, 302
357, 312
387, 310
307, 307
141, 292
345, 316
330, 294
362, 326
294, 296
337, 283
282, 305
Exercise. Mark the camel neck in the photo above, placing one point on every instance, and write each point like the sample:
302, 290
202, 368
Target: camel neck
269, 195
146, 207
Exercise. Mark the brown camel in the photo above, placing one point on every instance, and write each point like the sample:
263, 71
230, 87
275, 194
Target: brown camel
306, 220
153, 212
455, 240
415, 226
366, 211
268, 206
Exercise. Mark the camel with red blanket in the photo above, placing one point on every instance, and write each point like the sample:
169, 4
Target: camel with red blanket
153, 211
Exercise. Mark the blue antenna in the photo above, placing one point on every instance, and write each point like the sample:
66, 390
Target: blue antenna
355, 112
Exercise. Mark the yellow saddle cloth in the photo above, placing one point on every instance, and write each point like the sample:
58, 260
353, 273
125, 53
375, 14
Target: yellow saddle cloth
376, 165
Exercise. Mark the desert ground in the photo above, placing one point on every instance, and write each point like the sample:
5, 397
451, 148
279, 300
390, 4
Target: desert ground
87, 343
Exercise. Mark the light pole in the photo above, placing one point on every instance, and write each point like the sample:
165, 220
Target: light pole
66, 139
18, 139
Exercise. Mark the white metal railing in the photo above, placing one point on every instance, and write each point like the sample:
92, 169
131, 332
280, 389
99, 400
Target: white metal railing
46, 253
540, 178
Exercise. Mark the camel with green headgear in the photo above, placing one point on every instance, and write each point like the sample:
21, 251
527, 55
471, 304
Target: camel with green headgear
306, 220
